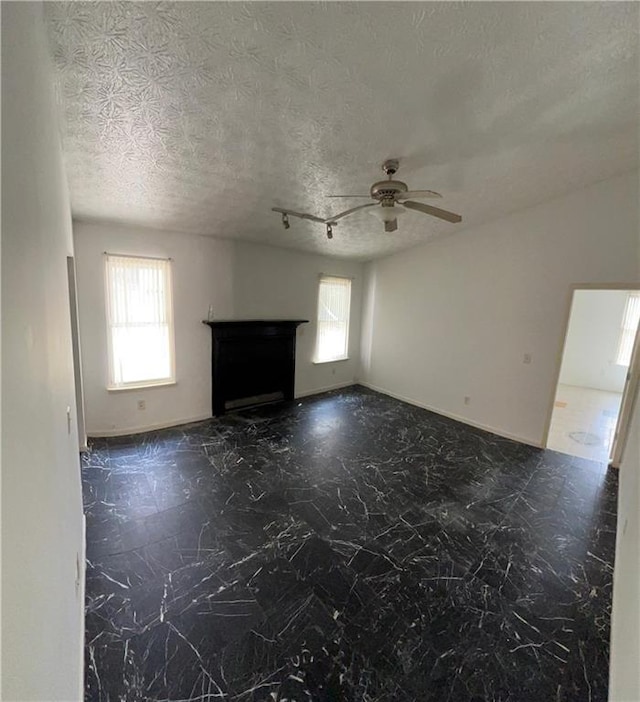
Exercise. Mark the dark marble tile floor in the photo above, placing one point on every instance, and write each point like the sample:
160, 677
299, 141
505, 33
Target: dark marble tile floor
345, 547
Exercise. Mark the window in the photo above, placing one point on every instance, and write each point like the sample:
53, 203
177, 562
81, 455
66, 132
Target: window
334, 298
630, 321
139, 321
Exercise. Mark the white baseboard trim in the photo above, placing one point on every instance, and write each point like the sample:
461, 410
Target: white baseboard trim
99, 433
107, 433
81, 596
318, 391
450, 415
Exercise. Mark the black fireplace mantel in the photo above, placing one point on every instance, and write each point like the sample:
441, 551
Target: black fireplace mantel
252, 361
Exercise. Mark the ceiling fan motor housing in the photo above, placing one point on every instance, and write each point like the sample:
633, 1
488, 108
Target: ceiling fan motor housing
387, 189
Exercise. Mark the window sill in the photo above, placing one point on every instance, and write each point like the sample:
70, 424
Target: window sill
141, 386
330, 360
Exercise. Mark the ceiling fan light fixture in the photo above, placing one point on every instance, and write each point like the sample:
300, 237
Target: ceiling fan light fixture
387, 213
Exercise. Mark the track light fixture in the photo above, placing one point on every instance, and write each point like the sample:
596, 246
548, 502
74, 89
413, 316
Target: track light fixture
329, 223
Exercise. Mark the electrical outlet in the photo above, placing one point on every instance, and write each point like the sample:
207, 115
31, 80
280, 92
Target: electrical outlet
467, 400
142, 405
526, 358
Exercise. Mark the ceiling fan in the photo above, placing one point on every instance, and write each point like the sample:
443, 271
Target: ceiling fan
390, 196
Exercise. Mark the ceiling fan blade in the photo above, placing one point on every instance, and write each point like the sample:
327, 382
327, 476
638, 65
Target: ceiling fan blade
301, 215
348, 212
421, 194
391, 226
347, 195
433, 211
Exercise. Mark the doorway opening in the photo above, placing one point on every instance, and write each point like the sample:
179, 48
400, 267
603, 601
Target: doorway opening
597, 375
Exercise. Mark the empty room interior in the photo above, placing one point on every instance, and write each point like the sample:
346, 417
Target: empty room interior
320, 351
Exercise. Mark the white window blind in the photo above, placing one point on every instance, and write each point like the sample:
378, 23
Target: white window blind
139, 321
334, 299
628, 330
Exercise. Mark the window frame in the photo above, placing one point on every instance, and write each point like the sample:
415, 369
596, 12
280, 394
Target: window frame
345, 357
154, 382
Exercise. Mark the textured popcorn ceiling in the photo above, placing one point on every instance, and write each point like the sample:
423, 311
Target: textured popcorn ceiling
199, 117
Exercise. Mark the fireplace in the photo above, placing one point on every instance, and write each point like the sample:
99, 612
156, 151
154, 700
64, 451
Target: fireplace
252, 362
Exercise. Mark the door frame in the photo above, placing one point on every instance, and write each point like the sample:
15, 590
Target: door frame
628, 393
77, 354
627, 404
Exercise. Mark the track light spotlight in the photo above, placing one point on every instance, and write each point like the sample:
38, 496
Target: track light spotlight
285, 220
329, 231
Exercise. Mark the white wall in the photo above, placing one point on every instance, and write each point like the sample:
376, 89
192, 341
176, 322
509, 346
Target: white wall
279, 283
625, 624
202, 276
589, 358
455, 317
240, 280
42, 528
624, 683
